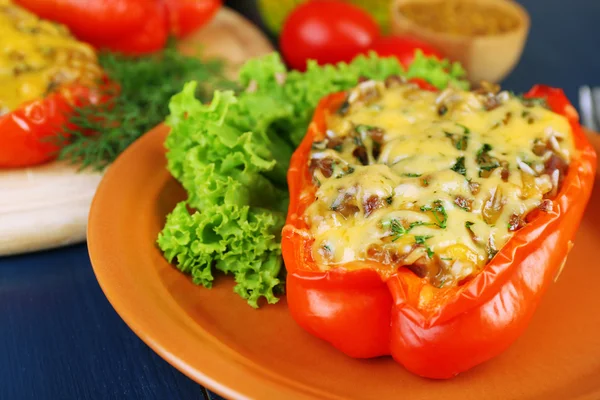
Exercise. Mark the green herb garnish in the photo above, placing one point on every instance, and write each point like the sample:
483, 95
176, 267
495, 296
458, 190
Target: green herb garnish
398, 230
531, 101
460, 142
146, 85
459, 166
483, 150
439, 213
485, 161
422, 239
465, 129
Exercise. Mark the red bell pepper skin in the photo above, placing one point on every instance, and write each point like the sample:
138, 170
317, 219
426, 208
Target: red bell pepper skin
435, 333
150, 36
131, 27
128, 26
186, 16
27, 133
92, 20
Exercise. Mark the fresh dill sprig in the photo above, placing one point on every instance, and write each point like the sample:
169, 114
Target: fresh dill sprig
97, 134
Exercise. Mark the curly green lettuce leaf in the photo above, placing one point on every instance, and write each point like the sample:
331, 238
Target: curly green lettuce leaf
299, 92
439, 73
216, 162
232, 157
233, 239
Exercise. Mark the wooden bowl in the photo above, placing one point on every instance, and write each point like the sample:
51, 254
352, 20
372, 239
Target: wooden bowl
486, 58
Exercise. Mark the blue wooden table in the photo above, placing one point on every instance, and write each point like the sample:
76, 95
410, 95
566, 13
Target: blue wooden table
61, 339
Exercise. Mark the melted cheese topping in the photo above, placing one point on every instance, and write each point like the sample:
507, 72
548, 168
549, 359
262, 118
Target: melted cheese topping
37, 57
437, 182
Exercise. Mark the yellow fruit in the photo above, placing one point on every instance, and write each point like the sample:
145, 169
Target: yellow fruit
274, 12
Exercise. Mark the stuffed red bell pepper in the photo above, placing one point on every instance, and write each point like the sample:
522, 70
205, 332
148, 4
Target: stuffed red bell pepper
45, 72
427, 225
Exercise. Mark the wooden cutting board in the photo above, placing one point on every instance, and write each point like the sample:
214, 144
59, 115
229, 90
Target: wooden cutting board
47, 206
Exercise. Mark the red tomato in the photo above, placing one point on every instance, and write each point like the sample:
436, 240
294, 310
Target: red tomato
403, 48
326, 31
186, 16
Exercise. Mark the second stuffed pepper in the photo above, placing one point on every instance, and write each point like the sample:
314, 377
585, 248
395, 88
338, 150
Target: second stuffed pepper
44, 73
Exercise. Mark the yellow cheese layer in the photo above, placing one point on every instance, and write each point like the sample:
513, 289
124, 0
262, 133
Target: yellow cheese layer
453, 176
38, 56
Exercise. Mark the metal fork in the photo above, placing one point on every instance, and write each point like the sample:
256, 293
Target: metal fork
589, 103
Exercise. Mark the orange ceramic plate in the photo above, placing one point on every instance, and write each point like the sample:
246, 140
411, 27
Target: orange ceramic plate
215, 338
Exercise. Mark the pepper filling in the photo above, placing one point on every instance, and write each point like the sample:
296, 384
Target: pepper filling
37, 57
436, 182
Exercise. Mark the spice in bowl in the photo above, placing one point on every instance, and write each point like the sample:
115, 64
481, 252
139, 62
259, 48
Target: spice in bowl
486, 36
460, 18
